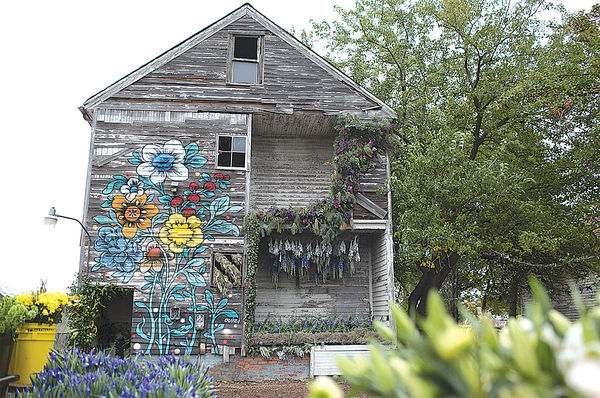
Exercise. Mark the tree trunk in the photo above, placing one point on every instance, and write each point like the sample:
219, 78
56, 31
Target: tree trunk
515, 293
431, 278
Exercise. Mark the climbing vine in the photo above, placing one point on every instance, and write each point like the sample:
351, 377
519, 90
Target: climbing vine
356, 148
84, 311
252, 233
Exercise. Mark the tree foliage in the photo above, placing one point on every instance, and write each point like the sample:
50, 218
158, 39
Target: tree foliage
496, 173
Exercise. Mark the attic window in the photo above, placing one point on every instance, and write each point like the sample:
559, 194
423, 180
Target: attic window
245, 62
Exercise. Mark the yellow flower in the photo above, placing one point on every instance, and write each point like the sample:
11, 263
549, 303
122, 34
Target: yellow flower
179, 232
324, 387
26, 299
453, 341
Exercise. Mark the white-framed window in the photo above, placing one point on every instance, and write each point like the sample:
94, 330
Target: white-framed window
231, 151
245, 63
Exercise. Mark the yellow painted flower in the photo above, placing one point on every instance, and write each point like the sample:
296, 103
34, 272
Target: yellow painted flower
134, 214
180, 232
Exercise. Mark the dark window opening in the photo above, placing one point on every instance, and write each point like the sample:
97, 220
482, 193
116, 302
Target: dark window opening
232, 152
245, 62
246, 48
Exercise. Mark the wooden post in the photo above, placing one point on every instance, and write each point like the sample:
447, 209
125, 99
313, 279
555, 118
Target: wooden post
226, 353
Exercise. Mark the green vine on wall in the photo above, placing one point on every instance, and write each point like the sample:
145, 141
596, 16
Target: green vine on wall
356, 148
84, 312
252, 234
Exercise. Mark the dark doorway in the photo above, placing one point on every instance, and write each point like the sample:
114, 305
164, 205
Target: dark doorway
114, 324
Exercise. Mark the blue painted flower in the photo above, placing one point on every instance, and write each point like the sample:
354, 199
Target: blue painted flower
163, 161
117, 252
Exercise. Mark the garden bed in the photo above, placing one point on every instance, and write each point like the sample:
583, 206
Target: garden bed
355, 336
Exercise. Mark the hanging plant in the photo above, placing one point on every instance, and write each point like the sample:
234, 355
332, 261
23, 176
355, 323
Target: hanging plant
327, 260
356, 152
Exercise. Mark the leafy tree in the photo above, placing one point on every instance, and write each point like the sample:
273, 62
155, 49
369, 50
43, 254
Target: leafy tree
495, 175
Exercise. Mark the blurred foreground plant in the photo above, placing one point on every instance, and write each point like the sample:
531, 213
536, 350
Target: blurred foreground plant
540, 355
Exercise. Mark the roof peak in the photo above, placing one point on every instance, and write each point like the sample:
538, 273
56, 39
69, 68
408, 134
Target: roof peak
198, 37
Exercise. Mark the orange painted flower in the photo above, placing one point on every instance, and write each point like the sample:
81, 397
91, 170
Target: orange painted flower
135, 214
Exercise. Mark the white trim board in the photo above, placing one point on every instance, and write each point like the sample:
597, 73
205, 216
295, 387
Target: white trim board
322, 358
368, 224
197, 38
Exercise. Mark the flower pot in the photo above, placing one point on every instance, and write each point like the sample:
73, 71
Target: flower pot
31, 349
6, 343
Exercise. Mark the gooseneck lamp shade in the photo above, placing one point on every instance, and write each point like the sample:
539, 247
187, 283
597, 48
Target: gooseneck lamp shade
51, 219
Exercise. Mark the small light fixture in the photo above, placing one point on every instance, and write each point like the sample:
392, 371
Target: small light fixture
51, 219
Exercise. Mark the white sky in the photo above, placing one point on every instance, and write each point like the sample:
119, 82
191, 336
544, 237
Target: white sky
55, 55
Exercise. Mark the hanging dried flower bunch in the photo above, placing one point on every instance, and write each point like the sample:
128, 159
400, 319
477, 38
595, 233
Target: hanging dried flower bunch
326, 259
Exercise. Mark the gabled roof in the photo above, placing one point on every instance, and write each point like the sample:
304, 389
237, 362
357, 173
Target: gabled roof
205, 33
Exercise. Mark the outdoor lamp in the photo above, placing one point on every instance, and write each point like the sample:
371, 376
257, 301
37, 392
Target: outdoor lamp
51, 219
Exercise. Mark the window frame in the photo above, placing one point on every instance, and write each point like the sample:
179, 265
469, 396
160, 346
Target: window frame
226, 252
258, 61
232, 136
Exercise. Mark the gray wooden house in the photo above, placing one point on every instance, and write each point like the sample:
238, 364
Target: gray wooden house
237, 118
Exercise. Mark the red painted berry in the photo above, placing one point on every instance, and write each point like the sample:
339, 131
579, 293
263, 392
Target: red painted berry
194, 197
210, 186
188, 212
176, 201
194, 186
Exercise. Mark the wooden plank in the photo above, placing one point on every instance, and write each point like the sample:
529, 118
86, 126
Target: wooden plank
369, 205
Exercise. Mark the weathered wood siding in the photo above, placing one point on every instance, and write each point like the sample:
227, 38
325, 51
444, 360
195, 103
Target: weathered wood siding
588, 287
197, 80
289, 171
380, 277
117, 133
373, 185
346, 297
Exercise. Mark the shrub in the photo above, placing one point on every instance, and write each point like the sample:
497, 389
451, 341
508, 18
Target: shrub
79, 374
84, 313
540, 355
13, 315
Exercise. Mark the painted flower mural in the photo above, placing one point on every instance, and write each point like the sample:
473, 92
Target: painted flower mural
132, 189
180, 232
133, 215
117, 253
162, 162
154, 259
161, 234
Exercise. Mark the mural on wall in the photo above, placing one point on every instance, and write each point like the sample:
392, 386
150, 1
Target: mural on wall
163, 235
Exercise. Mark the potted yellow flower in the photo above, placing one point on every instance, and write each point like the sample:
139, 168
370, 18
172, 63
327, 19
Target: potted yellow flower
12, 317
35, 338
